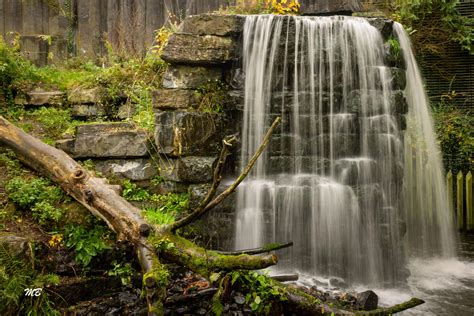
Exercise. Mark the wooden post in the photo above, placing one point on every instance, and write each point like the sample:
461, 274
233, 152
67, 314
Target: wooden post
469, 206
449, 190
460, 200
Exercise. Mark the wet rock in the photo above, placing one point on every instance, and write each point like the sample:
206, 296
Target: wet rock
134, 169
394, 57
367, 300
384, 26
187, 77
337, 282
173, 99
40, 97
329, 7
213, 24
188, 169
201, 311
199, 50
197, 193
110, 140
398, 79
189, 133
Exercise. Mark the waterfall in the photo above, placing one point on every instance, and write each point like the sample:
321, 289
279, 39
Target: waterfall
428, 210
337, 179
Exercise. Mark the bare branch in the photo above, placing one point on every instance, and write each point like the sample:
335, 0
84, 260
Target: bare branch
227, 143
256, 251
201, 211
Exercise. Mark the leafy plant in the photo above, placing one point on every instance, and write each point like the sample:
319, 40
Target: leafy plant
261, 293
211, 96
38, 194
55, 121
86, 242
455, 130
132, 192
123, 271
395, 49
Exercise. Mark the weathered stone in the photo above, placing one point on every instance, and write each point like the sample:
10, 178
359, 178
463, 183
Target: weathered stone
367, 300
188, 169
166, 99
329, 7
40, 97
133, 169
189, 133
197, 192
126, 110
384, 26
166, 187
213, 24
19, 246
88, 110
66, 145
110, 140
85, 96
199, 50
398, 78
188, 77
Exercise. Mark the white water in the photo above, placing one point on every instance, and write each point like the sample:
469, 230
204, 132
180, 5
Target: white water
339, 180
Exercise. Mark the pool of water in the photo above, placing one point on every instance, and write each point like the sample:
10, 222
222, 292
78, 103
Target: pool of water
447, 286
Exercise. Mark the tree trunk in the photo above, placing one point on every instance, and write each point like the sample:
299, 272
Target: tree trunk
104, 201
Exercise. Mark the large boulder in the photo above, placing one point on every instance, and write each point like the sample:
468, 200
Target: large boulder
133, 169
367, 300
173, 99
199, 50
213, 24
329, 7
187, 77
110, 140
188, 169
189, 133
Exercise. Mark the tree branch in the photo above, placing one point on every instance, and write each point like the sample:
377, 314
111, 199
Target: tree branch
256, 251
196, 214
227, 143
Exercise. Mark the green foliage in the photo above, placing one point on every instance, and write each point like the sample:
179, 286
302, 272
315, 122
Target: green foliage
122, 270
16, 275
211, 96
455, 130
261, 292
13, 67
433, 23
86, 242
132, 192
39, 195
169, 206
55, 121
144, 116
13, 166
395, 49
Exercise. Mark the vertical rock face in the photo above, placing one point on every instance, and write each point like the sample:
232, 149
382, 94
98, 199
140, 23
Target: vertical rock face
189, 133
329, 7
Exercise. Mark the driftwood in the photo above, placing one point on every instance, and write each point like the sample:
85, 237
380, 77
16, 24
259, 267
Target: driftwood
104, 201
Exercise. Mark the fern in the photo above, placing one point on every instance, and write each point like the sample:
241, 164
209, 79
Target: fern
217, 308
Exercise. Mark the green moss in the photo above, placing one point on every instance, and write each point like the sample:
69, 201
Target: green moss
211, 96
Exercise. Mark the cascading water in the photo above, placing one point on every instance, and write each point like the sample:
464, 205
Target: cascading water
340, 179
